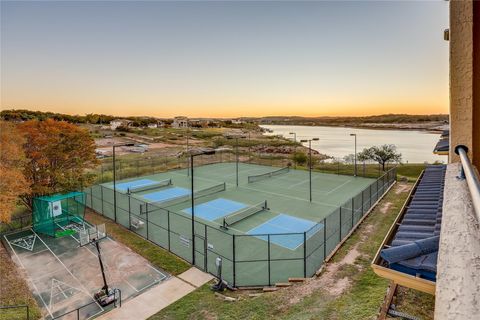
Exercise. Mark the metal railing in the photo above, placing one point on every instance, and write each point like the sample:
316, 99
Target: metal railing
4, 311
16, 223
468, 172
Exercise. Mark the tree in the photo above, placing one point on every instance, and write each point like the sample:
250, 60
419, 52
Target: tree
381, 154
300, 158
59, 153
12, 159
349, 158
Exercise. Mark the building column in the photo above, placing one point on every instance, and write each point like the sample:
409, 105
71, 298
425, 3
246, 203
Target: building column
461, 76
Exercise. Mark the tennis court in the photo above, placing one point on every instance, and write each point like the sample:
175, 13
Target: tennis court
64, 276
266, 229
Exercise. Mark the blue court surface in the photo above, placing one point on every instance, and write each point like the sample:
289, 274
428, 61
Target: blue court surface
216, 209
166, 194
284, 223
124, 186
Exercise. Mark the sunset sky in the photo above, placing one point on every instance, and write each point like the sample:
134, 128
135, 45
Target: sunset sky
225, 59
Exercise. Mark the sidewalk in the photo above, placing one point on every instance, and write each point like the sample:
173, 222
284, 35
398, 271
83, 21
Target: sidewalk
160, 296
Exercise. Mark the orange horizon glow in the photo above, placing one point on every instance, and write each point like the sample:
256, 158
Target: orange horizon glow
253, 111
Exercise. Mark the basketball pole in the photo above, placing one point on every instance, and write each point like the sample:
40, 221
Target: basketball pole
105, 285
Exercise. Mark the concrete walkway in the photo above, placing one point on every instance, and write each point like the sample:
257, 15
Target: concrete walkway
160, 296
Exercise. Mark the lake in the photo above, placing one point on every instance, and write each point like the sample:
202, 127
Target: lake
415, 146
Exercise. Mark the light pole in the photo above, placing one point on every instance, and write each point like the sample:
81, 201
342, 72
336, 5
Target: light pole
114, 177
188, 169
310, 162
355, 155
236, 153
192, 196
294, 148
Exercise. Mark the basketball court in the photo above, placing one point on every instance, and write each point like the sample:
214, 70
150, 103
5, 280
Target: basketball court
64, 276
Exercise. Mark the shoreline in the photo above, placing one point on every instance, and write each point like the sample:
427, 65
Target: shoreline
398, 127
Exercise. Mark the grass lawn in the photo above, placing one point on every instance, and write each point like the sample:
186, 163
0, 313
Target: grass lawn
153, 253
347, 289
410, 170
14, 290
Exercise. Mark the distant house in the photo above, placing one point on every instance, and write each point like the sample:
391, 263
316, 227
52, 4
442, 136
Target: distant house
152, 125
237, 121
114, 124
180, 122
102, 153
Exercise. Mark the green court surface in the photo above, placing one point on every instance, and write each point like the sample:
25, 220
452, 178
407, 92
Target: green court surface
290, 237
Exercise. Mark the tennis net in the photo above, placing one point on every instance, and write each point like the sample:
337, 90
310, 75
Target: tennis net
149, 186
244, 213
174, 201
267, 175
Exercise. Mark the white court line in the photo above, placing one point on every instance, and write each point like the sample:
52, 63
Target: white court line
131, 285
302, 182
108, 267
33, 283
47, 274
34, 253
348, 181
102, 310
234, 174
158, 271
71, 234
291, 197
272, 193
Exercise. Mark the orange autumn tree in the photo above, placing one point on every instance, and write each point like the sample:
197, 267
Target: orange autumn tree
59, 154
12, 159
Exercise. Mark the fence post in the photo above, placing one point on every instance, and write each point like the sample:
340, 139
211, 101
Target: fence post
268, 252
28, 312
234, 260
101, 193
370, 198
353, 210
129, 213
147, 223
305, 254
324, 238
205, 262
168, 228
78, 314
120, 169
363, 203
340, 223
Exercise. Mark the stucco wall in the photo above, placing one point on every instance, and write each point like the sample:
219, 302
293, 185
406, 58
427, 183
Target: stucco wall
458, 269
461, 75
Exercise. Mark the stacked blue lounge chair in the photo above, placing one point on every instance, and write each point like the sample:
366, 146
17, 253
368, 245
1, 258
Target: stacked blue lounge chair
414, 248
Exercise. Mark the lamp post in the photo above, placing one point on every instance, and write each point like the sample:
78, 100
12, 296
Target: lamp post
355, 155
188, 169
310, 162
114, 177
192, 196
295, 147
236, 153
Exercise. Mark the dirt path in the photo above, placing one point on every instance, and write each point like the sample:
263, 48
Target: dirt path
331, 280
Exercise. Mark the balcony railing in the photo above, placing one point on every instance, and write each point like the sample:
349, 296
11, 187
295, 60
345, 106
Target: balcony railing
469, 174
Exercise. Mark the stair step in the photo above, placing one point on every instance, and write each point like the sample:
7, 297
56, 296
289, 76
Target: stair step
270, 289
283, 284
296, 279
